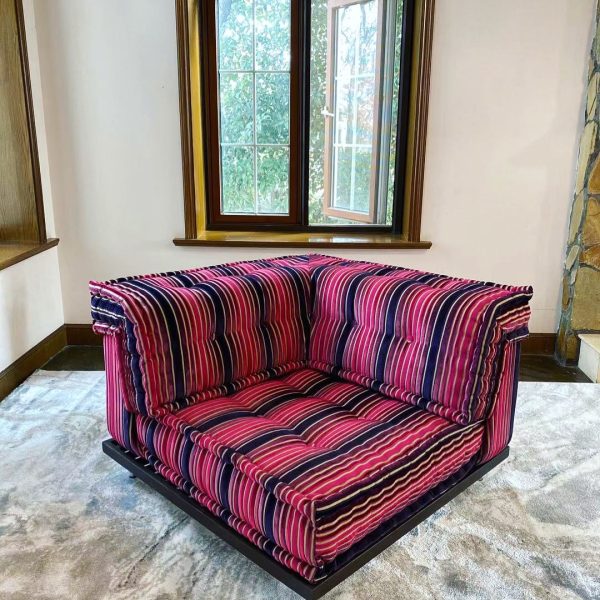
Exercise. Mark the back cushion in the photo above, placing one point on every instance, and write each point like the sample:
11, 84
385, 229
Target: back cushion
190, 340
426, 339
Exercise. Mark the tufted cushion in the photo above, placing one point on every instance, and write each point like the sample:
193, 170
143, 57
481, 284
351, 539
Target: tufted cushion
203, 339
310, 463
428, 339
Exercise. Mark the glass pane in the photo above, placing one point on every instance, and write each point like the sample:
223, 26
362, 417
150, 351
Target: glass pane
273, 179
362, 181
254, 105
235, 35
352, 179
343, 178
357, 38
354, 110
355, 35
236, 98
272, 24
272, 108
237, 175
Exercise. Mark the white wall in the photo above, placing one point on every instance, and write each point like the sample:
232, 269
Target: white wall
30, 294
30, 305
506, 103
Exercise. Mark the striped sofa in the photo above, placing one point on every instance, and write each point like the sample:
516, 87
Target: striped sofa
308, 402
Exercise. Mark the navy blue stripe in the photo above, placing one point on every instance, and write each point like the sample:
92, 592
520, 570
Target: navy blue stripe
150, 437
224, 479
260, 296
127, 429
269, 516
349, 323
165, 306
390, 328
216, 298
186, 452
302, 295
134, 365
437, 335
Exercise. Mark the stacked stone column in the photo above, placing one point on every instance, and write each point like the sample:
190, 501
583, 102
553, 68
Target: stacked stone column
581, 277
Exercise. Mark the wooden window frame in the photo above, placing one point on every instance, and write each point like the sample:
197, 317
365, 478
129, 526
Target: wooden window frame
199, 138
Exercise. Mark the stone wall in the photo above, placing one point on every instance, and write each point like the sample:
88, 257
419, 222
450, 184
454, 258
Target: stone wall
581, 278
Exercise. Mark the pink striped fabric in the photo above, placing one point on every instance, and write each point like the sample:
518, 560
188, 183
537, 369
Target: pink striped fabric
119, 420
311, 463
425, 339
499, 421
307, 401
230, 327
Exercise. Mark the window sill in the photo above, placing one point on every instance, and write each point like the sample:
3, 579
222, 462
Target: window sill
12, 253
273, 239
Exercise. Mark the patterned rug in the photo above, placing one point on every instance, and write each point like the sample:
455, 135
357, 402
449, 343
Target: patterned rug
74, 525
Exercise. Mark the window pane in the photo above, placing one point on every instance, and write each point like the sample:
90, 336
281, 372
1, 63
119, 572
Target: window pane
357, 37
272, 35
235, 35
273, 179
354, 110
352, 179
362, 181
272, 108
343, 178
254, 105
237, 175
237, 108
358, 51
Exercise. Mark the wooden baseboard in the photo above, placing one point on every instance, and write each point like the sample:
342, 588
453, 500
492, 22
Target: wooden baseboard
539, 343
82, 335
33, 359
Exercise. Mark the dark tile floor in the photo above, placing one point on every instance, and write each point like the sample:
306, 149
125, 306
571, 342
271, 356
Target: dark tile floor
533, 367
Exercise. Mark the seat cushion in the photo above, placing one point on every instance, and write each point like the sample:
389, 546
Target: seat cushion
308, 461
424, 338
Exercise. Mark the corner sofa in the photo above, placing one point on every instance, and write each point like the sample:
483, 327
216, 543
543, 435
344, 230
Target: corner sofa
309, 409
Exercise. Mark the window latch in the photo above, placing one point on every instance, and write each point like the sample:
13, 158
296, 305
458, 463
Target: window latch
327, 113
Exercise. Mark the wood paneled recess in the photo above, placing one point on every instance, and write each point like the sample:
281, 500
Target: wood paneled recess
22, 226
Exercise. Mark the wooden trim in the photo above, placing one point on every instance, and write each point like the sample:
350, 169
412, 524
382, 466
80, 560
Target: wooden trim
33, 147
33, 359
185, 117
539, 343
81, 335
23, 206
11, 254
419, 108
273, 239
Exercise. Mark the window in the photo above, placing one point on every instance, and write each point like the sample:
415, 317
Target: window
303, 118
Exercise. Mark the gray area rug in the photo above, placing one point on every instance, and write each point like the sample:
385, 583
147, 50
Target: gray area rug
74, 525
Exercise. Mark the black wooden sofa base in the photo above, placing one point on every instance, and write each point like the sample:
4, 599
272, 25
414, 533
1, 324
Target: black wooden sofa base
143, 471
